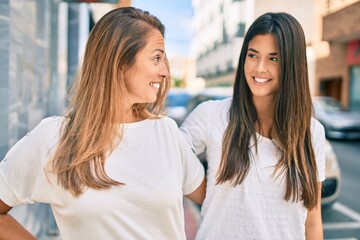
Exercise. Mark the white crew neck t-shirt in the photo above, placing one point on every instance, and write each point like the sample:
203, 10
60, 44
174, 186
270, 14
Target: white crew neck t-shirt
256, 208
154, 161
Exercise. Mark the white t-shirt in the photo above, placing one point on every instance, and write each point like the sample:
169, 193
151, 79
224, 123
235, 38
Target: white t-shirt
154, 161
256, 208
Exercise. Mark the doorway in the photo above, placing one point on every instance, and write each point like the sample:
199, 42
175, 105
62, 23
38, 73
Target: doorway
331, 87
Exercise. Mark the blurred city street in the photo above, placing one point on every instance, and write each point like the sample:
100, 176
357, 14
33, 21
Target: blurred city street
42, 43
342, 220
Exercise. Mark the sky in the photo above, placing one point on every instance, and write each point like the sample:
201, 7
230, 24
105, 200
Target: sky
176, 16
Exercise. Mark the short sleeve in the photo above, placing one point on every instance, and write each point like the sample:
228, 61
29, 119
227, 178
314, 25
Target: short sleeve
22, 176
319, 144
195, 127
192, 170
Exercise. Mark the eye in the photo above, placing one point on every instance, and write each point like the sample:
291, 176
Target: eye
250, 55
157, 59
274, 59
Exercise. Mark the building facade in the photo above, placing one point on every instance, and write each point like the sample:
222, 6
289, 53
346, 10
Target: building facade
26, 76
338, 68
41, 44
331, 29
219, 27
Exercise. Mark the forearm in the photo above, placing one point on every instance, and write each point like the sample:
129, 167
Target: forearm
314, 232
313, 224
10, 229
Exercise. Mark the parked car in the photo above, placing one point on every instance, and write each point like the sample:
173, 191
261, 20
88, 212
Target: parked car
331, 185
176, 103
339, 122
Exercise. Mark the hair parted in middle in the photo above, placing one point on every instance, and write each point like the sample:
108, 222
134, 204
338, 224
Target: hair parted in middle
292, 115
97, 98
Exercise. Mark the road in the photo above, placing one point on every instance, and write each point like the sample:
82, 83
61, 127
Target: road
342, 220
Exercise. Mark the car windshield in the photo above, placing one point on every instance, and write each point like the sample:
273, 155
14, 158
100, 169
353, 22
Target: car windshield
330, 105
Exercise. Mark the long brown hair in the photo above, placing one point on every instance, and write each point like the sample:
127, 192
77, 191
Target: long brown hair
89, 133
292, 116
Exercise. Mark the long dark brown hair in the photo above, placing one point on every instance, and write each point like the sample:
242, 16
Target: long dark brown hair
292, 116
89, 133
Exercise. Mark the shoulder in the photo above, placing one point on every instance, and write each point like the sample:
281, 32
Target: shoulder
165, 120
35, 145
48, 127
164, 123
218, 109
167, 127
50, 122
316, 127
317, 133
213, 107
209, 112
216, 104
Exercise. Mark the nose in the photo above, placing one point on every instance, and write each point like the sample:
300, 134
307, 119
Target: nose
261, 65
164, 70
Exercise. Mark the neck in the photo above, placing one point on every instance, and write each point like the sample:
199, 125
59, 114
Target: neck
128, 116
132, 118
265, 116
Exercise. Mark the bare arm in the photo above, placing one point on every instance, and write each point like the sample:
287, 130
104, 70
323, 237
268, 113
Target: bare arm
10, 229
198, 195
313, 224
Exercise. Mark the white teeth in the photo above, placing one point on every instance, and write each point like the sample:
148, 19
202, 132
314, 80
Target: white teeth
157, 85
262, 80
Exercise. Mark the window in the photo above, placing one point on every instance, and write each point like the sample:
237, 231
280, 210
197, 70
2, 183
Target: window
240, 30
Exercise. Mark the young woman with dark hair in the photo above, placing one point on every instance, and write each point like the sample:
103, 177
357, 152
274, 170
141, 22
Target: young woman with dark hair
264, 149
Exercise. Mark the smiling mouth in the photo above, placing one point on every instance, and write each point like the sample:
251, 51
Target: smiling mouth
155, 85
262, 80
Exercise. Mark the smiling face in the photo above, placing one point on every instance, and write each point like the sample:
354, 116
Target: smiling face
144, 78
262, 66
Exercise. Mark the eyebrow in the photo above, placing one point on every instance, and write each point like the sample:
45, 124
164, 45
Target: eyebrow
158, 49
253, 50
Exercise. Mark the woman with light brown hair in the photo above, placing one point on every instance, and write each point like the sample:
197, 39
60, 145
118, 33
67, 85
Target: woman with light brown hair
113, 167
264, 149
